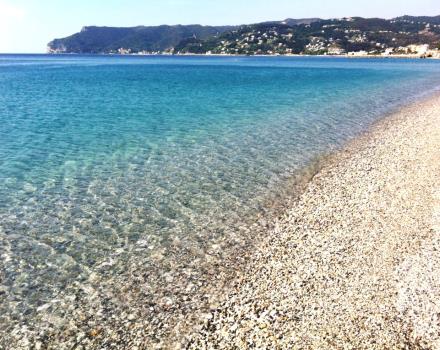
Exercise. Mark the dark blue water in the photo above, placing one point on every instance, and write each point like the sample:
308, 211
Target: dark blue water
117, 164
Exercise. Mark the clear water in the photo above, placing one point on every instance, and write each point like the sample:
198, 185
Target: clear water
134, 176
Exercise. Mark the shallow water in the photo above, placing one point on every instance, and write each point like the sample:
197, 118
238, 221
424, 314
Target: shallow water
135, 174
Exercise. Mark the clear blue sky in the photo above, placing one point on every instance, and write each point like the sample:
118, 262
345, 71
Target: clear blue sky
27, 25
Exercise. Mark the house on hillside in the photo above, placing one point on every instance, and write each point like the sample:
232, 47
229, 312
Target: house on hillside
418, 49
335, 50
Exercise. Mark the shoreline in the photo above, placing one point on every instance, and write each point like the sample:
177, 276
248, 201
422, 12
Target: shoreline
242, 286
398, 56
344, 264
174, 320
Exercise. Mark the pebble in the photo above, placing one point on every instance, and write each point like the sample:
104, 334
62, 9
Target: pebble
355, 261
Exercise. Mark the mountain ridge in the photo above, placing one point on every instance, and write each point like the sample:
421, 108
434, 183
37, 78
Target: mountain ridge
95, 39
290, 36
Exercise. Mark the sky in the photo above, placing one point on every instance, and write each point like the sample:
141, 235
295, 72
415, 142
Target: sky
26, 26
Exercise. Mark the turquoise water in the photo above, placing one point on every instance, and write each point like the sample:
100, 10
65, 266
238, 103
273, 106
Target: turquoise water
118, 172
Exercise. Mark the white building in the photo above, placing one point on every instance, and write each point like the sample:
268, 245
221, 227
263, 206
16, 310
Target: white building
335, 50
419, 49
123, 51
358, 53
388, 51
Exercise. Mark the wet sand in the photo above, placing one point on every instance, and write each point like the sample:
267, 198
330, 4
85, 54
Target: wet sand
355, 262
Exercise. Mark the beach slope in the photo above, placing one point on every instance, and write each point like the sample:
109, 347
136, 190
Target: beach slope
355, 262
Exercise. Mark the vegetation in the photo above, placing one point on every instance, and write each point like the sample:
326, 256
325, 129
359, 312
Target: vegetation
305, 36
136, 39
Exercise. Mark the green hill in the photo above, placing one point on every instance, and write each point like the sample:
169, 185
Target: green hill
301, 36
110, 39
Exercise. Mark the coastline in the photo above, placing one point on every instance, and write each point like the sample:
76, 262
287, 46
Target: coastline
354, 262
403, 56
399, 56
130, 301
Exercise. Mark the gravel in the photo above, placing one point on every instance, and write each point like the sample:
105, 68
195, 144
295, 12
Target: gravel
355, 262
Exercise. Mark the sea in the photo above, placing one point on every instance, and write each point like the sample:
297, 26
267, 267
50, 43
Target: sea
133, 187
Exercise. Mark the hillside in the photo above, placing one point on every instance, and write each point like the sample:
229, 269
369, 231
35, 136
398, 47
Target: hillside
110, 39
335, 36
300, 36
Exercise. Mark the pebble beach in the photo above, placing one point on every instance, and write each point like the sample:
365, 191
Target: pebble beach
291, 204
354, 263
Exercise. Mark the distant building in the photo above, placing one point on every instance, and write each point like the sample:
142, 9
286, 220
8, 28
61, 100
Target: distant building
418, 49
123, 51
388, 51
358, 53
335, 50
433, 54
